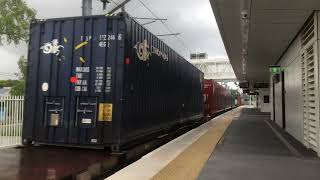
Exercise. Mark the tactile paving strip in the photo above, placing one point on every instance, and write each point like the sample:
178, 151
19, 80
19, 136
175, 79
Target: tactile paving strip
188, 165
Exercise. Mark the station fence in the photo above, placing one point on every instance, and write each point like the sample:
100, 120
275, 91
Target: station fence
11, 119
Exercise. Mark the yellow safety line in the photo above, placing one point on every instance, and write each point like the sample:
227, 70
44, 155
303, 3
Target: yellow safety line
188, 165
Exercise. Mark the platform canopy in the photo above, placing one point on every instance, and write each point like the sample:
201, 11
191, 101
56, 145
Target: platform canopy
257, 32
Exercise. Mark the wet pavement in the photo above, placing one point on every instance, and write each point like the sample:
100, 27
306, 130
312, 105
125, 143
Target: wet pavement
53, 163
35, 163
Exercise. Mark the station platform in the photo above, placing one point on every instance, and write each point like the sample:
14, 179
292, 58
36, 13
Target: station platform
241, 144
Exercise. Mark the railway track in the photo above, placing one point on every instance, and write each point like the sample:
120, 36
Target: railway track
53, 163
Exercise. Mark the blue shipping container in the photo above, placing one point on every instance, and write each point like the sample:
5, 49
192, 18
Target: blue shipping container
105, 82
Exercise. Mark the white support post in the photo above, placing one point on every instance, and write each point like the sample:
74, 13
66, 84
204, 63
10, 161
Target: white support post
86, 7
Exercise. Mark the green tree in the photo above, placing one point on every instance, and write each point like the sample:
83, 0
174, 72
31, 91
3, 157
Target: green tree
7, 83
22, 64
15, 17
19, 87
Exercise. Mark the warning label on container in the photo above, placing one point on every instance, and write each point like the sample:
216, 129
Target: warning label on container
105, 112
86, 121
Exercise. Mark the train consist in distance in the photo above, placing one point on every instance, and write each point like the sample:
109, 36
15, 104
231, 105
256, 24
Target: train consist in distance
98, 81
218, 99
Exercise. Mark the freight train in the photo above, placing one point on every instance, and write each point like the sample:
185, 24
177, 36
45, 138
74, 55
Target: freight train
99, 81
218, 99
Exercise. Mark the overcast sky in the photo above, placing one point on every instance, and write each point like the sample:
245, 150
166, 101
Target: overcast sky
193, 19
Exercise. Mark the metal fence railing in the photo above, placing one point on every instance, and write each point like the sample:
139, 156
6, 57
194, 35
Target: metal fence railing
11, 118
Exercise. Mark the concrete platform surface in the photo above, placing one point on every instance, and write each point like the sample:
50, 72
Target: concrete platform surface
152, 165
251, 150
243, 144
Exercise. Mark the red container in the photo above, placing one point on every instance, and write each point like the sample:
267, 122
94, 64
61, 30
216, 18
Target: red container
216, 98
239, 100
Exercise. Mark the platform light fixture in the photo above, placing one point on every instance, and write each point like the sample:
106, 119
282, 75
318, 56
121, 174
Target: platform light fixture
244, 66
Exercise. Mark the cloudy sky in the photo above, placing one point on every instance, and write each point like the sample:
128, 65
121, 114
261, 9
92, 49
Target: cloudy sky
193, 19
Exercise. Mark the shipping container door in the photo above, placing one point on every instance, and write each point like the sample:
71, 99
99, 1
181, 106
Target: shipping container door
98, 44
88, 70
51, 125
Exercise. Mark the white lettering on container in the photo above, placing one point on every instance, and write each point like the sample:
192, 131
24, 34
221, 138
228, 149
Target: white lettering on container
82, 81
108, 80
99, 79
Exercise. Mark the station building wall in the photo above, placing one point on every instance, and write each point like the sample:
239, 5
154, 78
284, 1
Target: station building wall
300, 66
278, 111
264, 100
291, 64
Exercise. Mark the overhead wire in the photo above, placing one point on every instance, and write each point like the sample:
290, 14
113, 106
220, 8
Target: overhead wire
169, 29
114, 2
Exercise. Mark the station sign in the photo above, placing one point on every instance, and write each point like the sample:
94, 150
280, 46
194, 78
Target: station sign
275, 69
198, 56
244, 84
261, 85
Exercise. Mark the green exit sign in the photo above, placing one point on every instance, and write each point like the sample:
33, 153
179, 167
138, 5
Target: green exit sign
275, 70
